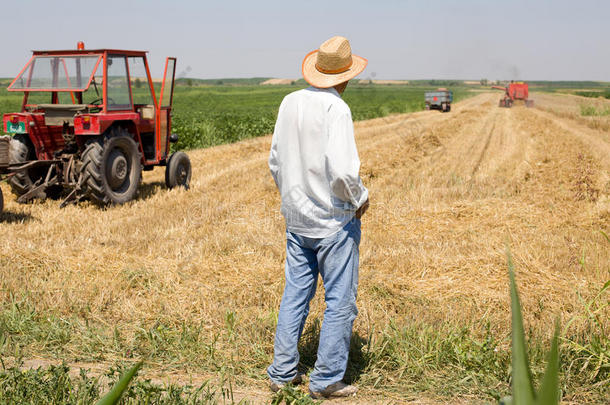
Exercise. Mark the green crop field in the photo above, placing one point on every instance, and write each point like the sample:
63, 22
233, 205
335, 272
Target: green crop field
584, 88
598, 93
207, 116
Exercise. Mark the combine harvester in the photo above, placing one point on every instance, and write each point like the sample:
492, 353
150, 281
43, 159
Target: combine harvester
85, 131
515, 91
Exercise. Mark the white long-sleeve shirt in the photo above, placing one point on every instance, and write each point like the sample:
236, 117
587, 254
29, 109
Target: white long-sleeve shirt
315, 163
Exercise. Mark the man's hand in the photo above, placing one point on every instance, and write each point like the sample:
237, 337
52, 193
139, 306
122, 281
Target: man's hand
360, 212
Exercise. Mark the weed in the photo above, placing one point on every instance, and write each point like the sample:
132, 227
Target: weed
522, 381
115, 394
290, 395
54, 386
591, 359
587, 110
404, 356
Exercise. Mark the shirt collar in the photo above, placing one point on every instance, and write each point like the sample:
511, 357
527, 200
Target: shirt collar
334, 91
331, 90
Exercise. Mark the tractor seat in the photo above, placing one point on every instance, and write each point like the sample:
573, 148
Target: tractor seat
57, 114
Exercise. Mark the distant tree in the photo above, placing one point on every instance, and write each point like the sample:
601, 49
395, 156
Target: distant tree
219, 82
138, 83
189, 83
484, 82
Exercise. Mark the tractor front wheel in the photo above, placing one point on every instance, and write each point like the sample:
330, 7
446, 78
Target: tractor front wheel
111, 168
178, 170
21, 151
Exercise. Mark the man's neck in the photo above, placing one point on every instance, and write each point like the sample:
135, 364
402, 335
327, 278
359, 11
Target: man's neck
341, 87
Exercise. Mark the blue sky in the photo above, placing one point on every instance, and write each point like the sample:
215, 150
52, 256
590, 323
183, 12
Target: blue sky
444, 39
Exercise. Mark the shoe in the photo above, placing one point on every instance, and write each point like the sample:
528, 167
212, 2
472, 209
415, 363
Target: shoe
275, 387
336, 390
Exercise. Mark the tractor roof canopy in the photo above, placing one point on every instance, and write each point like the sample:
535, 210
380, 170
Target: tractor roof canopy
63, 70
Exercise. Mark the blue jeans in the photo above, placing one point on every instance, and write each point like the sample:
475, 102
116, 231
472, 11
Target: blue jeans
335, 258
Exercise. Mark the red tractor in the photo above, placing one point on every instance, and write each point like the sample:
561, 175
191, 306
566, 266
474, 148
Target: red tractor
90, 122
515, 91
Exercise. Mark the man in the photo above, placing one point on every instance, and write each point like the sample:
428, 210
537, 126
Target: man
315, 165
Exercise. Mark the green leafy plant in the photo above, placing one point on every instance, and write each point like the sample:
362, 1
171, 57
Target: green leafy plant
522, 381
591, 111
119, 388
591, 357
290, 395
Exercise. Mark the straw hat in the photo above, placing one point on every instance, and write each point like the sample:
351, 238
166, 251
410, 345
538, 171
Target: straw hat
332, 64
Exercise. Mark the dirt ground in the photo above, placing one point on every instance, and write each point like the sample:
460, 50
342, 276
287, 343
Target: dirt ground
277, 81
449, 192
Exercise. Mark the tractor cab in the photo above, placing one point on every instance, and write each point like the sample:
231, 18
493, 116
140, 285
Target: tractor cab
78, 104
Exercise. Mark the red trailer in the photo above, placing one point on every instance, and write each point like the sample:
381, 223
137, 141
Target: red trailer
515, 91
90, 122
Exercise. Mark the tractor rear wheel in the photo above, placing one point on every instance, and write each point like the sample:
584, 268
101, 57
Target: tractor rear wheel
178, 170
111, 167
21, 150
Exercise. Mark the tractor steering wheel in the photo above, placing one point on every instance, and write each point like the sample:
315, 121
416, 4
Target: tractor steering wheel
99, 101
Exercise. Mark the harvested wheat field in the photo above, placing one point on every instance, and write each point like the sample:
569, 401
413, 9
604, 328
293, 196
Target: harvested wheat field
192, 280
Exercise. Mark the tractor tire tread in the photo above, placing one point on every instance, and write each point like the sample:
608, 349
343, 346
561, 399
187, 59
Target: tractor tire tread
92, 161
19, 152
92, 170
